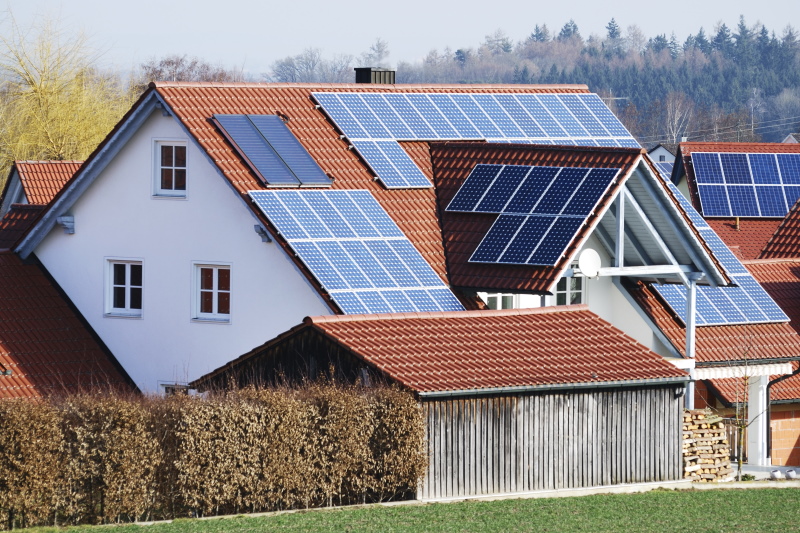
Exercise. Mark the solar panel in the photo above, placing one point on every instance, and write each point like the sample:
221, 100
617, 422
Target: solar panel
564, 119
748, 303
541, 209
272, 151
355, 251
745, 184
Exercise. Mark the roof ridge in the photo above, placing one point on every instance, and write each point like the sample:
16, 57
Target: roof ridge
321, 319
515, 86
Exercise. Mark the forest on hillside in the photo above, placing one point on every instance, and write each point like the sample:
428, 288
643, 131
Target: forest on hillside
737, 84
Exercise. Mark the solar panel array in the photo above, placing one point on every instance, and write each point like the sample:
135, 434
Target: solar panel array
374, 121
748, 303
541, 209
355, 251
746, 184
665, 168
272, 151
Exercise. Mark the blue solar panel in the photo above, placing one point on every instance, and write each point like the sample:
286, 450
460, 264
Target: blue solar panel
590, 191
341, 116
527, 239
529, 193
380, 164
420, 128
474, 187
665, 169
563, 115
355, 251
365, 117
242, 133
584, 115
476, 115
502, 188
496, 240
411, 173
501, 119
520, 116
289, 149
556, 241
732, 265
433, 116
540, 114
386, 114
776, 178
456, 117
629, 143
604, 115
790, 168
563, 187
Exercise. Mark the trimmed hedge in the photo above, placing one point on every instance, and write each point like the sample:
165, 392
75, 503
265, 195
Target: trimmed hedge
103, 458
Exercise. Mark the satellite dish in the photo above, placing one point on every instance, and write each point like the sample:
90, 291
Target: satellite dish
589, 263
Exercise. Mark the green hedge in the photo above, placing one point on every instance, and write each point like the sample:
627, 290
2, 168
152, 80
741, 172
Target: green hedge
103, 458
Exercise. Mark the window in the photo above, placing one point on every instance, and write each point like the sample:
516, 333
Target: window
500, 301
213, 292
170, 169
571, 291
124, 288
662, 158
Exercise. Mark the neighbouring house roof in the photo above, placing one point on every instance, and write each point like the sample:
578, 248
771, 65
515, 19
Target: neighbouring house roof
45, 345
41, 180
749, 240
792, 138
720, 345
16, 223
785, 241
474, 351
463, 232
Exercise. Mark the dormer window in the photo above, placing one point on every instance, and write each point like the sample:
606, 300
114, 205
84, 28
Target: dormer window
170, 169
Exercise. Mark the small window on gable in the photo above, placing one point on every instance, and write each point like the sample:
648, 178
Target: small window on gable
170, 168
570, 291
212, 293
500, 301
662, 158
124, 287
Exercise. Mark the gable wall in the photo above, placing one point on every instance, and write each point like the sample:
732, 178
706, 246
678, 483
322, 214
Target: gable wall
118, 217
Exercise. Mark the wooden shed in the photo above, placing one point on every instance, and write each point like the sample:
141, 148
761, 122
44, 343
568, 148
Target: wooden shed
514, 400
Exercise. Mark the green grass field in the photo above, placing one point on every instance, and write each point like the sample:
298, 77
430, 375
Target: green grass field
751, 510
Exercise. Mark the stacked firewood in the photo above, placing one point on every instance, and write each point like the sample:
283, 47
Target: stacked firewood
706, 452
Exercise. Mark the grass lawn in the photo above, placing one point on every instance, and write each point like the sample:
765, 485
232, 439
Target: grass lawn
750, 510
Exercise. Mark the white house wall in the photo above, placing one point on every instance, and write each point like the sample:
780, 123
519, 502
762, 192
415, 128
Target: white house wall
118, 217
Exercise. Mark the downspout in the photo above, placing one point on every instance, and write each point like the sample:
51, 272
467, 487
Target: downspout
769, 410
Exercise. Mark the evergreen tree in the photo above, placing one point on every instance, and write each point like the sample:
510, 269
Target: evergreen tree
569, 31
540, 34
613, 30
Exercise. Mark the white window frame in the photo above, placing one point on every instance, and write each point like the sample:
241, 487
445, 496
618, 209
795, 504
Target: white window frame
567, 291
500, 298
127, 311
158, 191
197, 290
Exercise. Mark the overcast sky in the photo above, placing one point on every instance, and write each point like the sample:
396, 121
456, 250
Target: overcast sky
254, 33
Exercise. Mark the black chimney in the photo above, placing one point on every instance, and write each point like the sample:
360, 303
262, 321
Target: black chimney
374, 75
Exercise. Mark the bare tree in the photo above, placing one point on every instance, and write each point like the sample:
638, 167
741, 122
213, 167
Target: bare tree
176, 67
310, 67
377, 54
677, 115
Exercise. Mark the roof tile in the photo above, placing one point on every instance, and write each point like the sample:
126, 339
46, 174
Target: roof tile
42, 180
14, 224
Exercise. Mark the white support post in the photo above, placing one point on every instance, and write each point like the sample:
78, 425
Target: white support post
757, 420
619, 252
691, 313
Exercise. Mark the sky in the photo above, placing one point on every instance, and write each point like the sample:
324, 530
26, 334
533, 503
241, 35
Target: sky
252, 34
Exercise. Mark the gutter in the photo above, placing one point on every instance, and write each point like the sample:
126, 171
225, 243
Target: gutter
769, 409
747, 362
681, 381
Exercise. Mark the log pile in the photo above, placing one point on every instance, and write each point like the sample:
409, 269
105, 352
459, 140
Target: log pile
706, 452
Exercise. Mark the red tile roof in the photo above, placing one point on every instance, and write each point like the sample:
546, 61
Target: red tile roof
44, 343
474, 350
781, 279
749, 240
463, 232
17, 222
720, 344
414, 210
42, 180
785, 242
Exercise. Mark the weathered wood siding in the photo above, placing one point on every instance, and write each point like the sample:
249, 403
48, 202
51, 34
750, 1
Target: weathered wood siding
521, 443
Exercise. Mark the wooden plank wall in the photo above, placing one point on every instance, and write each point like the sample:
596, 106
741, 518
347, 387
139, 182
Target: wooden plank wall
507, 444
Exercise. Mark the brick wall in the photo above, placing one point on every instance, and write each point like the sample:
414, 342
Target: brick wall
785, 425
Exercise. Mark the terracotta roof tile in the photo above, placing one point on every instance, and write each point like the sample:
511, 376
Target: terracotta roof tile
719, 344
781, 279
785, 242
462, 232
42, 180
483, 349
17, 222
730, 390
749, 240
43, 341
